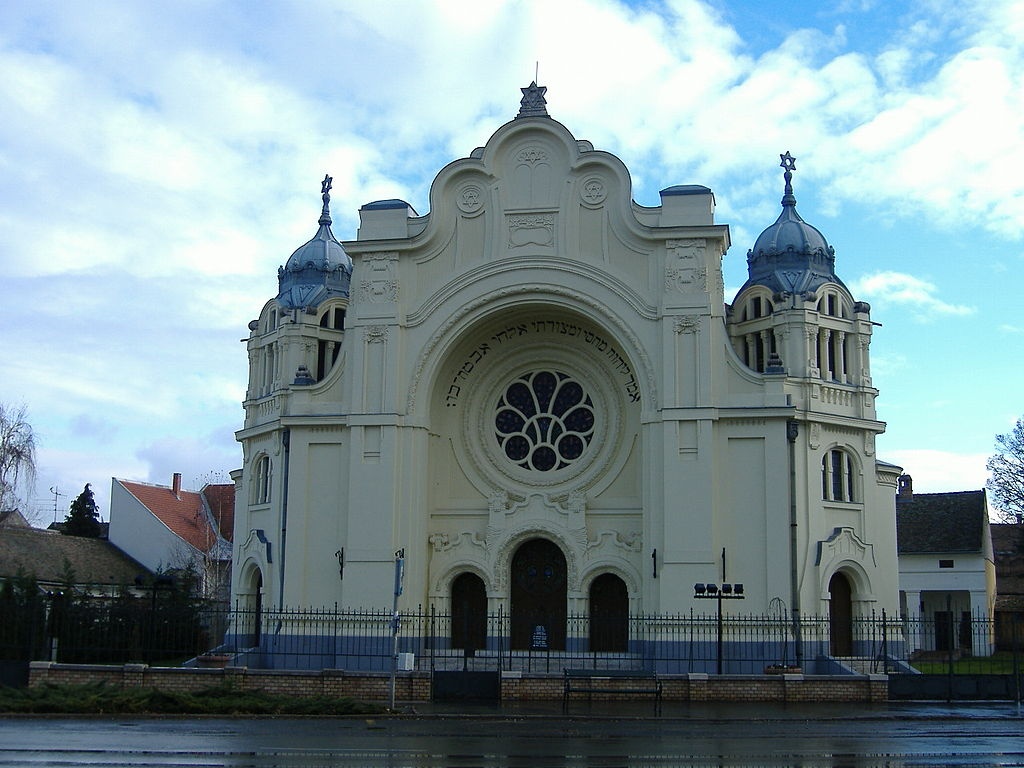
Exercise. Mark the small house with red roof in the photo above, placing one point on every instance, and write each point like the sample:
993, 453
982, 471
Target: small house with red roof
167, 528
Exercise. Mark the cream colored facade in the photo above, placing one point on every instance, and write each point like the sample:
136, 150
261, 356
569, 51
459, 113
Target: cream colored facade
541, 361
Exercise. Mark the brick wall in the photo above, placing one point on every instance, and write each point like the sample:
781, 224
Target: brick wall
415, 686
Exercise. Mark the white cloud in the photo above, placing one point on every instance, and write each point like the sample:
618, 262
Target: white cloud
897, 288
940, 471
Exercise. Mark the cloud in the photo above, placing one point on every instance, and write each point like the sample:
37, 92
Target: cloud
940, 471
897, 288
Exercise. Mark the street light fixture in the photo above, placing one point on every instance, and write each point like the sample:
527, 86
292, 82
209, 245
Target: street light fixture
725, 591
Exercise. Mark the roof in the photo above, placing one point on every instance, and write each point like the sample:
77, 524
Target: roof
12, 518
1008, 545
939, 523
790, 256
44, 554
184, 513
220, 500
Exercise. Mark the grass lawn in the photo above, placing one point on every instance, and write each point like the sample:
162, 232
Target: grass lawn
1000, 663
221, 700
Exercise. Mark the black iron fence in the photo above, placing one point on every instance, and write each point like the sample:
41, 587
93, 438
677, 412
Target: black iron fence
170, 629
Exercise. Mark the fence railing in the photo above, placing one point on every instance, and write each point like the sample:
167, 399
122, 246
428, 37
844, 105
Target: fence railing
170, 630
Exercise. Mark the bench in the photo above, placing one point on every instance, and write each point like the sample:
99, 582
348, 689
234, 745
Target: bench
613, 681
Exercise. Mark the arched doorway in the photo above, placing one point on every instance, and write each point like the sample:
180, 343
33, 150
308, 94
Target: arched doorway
251, 618
609, 614
840, 615
469, 612
538, 596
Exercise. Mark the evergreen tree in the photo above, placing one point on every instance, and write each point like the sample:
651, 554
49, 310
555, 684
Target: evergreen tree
84, 517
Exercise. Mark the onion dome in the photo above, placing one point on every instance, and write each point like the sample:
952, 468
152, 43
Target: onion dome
319, 269
791, 256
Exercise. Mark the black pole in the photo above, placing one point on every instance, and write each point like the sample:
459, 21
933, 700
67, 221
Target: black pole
720, 626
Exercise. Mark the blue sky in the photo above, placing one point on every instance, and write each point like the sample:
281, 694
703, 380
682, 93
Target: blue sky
158, 162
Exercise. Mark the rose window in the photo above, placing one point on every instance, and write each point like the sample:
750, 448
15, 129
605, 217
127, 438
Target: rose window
544, 421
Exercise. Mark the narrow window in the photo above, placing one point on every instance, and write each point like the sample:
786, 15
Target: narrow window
261, 484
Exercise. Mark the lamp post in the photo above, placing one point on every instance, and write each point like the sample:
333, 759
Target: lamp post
719, 592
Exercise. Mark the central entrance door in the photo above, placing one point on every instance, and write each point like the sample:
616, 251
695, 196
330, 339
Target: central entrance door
538, 596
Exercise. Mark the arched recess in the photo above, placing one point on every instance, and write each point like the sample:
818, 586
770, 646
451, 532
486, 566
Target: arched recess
250, 607
840, 614
538, 595
469, 612
609, 614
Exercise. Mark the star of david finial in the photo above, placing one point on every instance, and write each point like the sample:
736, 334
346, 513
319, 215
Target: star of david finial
325, 193
533, 103
788, 165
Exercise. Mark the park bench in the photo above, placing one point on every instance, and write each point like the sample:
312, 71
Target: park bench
632, 682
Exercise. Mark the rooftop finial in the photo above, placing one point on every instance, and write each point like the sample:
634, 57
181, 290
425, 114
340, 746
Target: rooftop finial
533, 103
788, 164
325, 192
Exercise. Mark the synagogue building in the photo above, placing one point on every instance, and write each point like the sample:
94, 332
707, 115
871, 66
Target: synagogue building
537, 395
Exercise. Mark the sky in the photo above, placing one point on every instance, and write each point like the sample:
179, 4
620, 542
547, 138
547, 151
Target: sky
160, 161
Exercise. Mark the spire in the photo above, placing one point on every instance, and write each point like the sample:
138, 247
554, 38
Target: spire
533, 103
325, 193
788, 164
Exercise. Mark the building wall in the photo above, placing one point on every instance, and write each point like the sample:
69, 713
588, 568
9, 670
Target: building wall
137, 532
534, 260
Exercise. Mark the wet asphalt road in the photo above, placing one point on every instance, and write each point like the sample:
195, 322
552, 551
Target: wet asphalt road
539, 735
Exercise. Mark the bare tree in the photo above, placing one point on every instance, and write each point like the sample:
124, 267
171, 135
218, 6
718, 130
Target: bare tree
1007, 467
17, 454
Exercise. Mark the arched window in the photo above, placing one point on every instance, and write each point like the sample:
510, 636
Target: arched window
837, 476
261, 481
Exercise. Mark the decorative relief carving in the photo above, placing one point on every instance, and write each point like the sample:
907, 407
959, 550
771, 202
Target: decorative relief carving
532, 155
498, 502
845, 544
375, 334
470, 198
441, 542
380, 284
577, 503
685, 271
630, 542
531, 229
814, 437
869, 444
686, 324
593, 190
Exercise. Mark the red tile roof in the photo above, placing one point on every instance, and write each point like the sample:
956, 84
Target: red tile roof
220, 498
184, 513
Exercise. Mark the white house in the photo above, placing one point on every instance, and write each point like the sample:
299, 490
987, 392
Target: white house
167, 528
537, 393
947, 570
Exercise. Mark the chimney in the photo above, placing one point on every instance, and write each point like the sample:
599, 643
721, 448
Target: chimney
905, 488
176, 485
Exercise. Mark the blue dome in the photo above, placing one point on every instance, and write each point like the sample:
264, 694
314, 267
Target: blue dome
318, 269
791, 256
